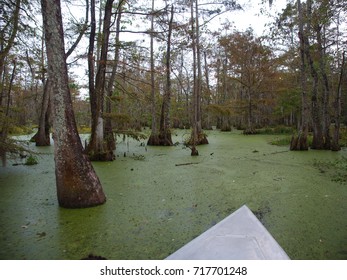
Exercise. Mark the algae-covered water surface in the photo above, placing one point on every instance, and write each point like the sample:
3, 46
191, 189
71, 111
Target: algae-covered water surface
159, 198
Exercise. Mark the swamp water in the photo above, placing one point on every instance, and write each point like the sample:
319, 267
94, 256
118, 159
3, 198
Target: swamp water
160, 198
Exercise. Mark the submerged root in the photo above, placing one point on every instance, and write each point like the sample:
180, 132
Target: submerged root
250, 131
100, 155
105, 156
201, 140
299, 143
194, 152
162, 139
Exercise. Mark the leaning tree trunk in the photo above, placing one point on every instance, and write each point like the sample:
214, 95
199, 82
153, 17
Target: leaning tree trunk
76, 181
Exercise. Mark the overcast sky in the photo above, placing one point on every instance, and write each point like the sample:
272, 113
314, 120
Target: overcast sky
249, 17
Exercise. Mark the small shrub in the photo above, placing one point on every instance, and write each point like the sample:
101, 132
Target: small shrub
276, 130
283, 141
20, 130
335, 169
31, 160
250, 131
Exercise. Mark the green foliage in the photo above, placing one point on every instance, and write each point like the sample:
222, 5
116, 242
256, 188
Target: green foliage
343, 137
20, 130
201, 139
336, 169
219, 110
285, 140
138, 136
276, 130
31, 160
9, 145
12, 148
288, 101
119, 118
281, 141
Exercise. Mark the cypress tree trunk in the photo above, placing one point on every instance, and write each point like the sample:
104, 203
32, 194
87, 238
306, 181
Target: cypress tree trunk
109, 135
153, 138
76, 181
299, 142
335, 146
91, 64
164, 131
326, 85
318, 141
197, 137
98, 148
42, 136
202, 139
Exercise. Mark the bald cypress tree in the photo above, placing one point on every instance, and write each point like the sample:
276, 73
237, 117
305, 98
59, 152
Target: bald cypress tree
76, 181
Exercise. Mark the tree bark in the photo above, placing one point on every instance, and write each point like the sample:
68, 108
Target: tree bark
208, 87
201, 136
42, 137
317, 142
197, 137
6, 118
164, 131
194, 136
109, 135
335, 146
299, 142
91, 64
97, 148
326, 87
153, 138
249, 129
4, 51
76, 181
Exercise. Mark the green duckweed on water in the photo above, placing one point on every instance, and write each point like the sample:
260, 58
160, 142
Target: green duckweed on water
159, 198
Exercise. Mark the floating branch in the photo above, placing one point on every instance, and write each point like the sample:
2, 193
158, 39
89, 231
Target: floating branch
188, 163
